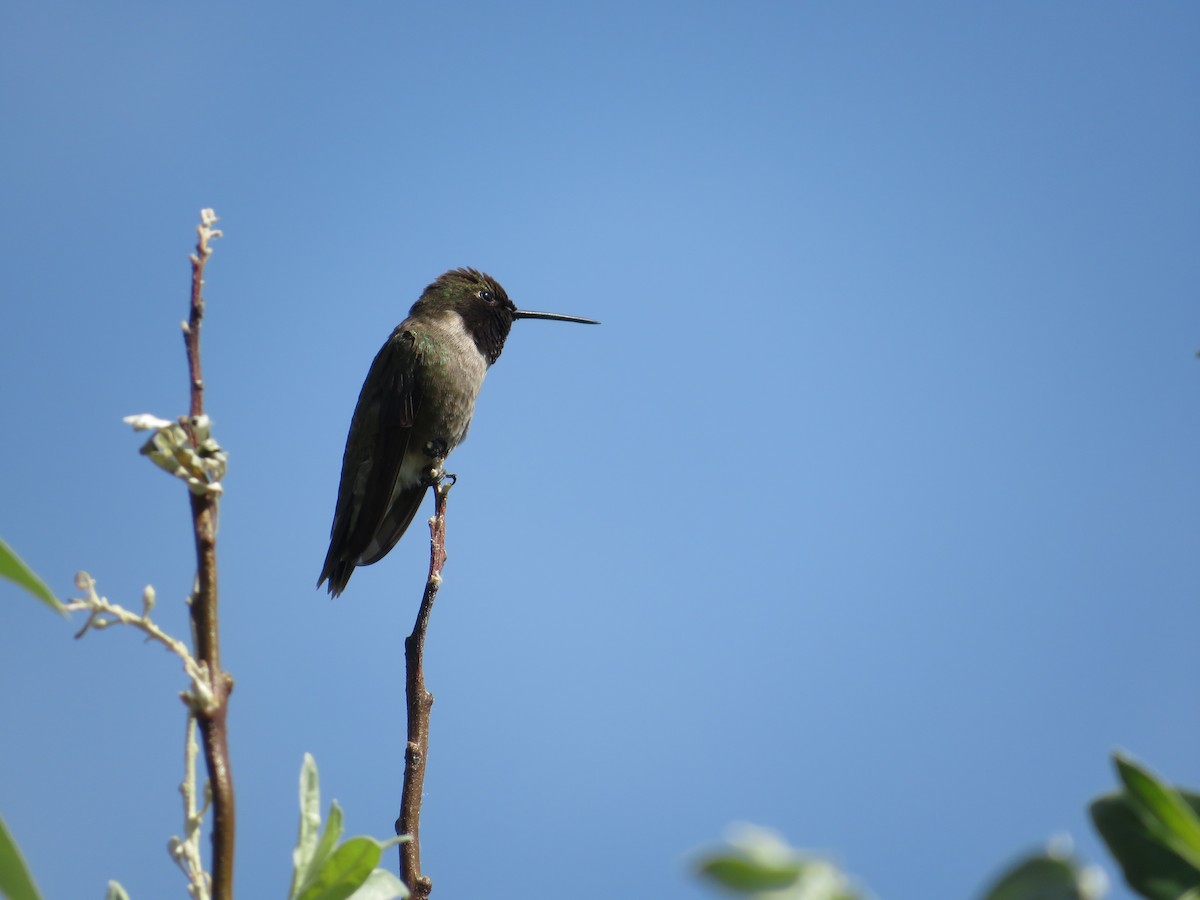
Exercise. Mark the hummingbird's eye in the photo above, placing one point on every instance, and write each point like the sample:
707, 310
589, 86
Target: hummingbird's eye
485, 296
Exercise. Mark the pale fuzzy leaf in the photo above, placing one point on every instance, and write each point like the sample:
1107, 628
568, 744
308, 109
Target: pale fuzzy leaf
381, 885
310, 825
145, 422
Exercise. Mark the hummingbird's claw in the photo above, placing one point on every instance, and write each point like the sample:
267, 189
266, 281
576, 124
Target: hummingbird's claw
436, 475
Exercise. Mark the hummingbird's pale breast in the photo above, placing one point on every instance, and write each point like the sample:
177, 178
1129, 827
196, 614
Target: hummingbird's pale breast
451, 372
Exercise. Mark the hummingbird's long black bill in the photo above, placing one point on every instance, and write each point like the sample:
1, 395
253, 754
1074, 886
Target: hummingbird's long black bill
553, 317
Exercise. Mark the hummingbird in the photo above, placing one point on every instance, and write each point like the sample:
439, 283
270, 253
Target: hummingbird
414, 409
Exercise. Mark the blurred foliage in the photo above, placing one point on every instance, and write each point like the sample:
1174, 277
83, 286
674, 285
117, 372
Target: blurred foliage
757, 862
1050, 875
16, 882
1151, 829
1153, 832
14, 569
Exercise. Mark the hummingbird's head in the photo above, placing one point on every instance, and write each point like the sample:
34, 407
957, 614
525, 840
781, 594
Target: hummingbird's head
484, 307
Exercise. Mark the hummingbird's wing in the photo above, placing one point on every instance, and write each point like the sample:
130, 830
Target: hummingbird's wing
395, 522
375, 450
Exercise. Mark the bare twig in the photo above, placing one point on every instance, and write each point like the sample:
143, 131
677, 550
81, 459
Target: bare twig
204, 598
102, 613
191, 328
420, 702
186, 850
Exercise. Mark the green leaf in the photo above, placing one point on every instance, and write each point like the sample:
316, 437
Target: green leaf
115, 892
748, 876
16, 883
325, 870
1150, 867
381, 885
758, 861
334, 828
1160, 807
345, 871
14, 569
1044, 876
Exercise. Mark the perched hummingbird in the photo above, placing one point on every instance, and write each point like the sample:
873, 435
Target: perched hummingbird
414, 408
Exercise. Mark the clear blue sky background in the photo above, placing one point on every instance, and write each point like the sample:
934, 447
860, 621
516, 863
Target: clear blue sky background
869, 514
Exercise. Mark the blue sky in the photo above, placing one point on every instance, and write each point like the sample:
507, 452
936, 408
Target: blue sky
869, 513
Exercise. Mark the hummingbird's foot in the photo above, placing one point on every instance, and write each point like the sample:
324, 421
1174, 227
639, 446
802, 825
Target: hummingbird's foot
435, 475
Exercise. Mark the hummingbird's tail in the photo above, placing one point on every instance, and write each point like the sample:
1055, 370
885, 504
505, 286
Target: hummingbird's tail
337, 572
338, 568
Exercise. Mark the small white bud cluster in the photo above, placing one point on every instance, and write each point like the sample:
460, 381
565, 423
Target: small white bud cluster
205, 233
186, 449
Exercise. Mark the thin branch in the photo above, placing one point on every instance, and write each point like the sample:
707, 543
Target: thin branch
102, 613
420, 702
191, 329
186, 850
204, 598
